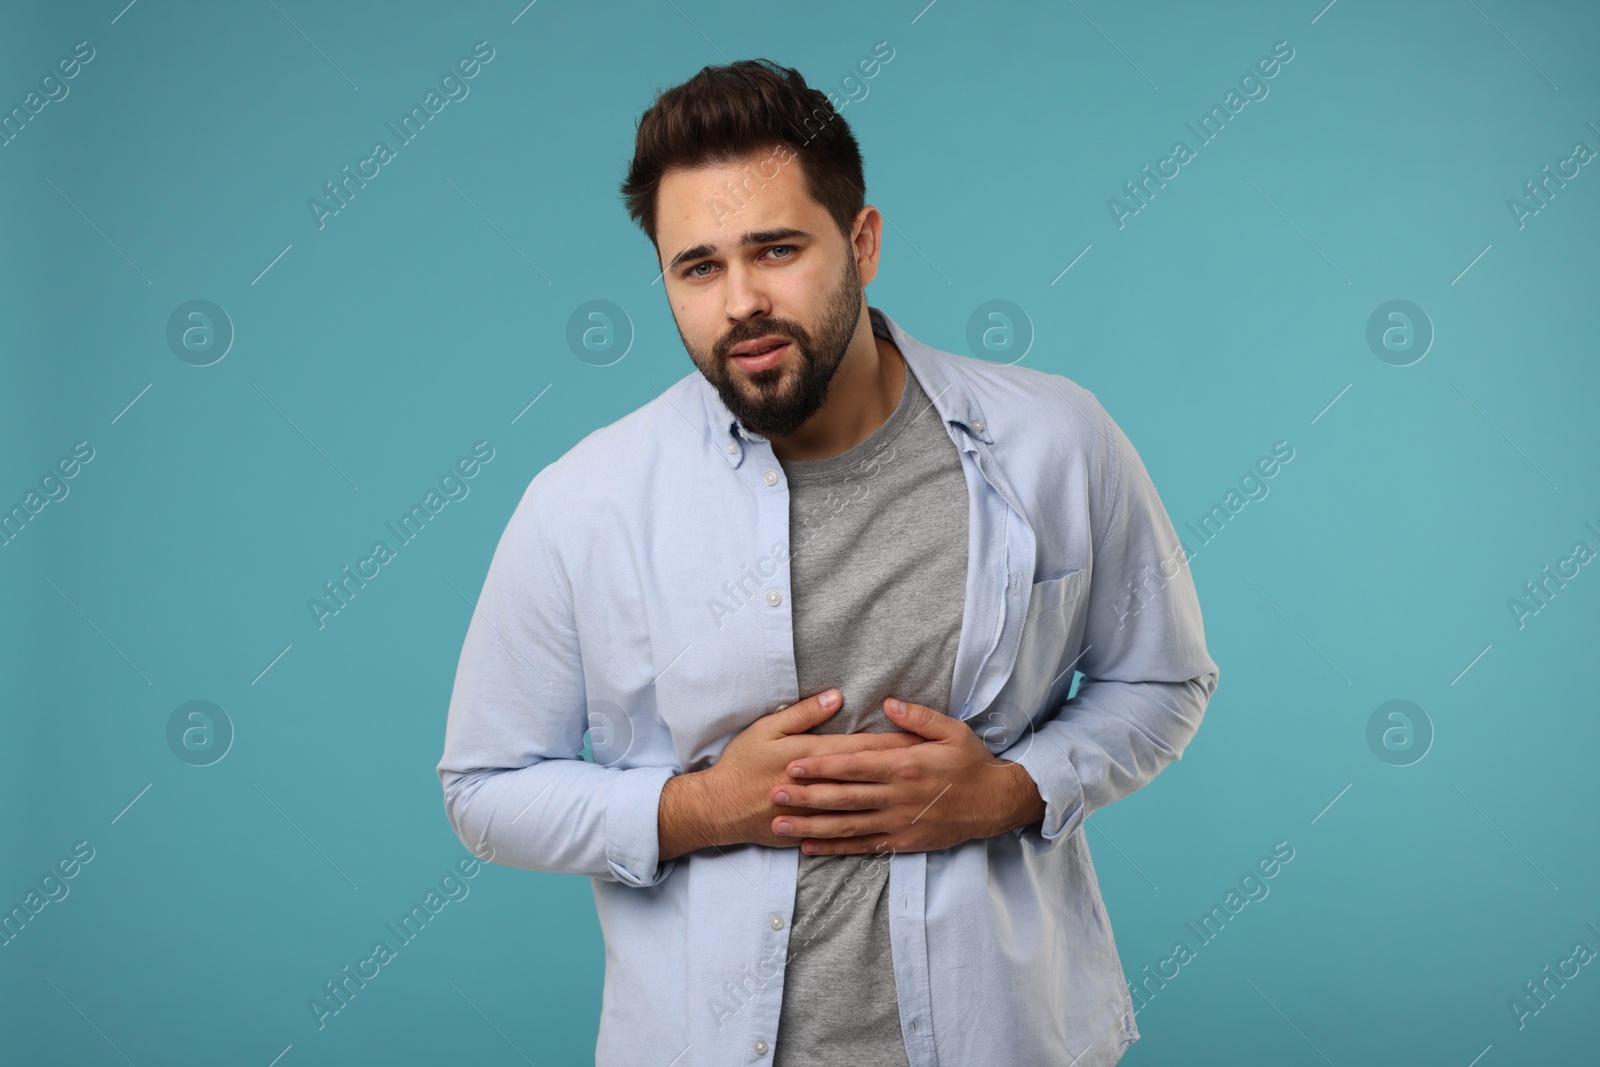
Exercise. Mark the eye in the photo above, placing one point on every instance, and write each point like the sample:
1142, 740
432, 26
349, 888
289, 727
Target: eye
691, 272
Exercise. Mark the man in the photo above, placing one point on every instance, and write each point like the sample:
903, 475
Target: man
734, 587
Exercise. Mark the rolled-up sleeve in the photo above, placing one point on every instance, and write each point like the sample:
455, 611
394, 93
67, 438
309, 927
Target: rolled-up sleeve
1147, 675
517, 790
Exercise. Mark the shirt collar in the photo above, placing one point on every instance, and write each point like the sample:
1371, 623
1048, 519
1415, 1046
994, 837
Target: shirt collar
936, 371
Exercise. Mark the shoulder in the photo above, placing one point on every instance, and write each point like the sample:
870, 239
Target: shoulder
623, 452
1026, 404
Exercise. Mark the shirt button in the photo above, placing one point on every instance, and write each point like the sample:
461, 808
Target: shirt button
771, 477
780, 707
774, 598
776, 922
761, 1047
732, 448
978, 425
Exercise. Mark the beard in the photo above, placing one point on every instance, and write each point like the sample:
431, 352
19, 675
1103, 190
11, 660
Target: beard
777, 401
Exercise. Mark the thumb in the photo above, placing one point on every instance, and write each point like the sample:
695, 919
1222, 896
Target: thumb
921, 720
798, 718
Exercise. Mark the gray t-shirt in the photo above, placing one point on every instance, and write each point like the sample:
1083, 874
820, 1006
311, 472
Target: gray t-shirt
878, 577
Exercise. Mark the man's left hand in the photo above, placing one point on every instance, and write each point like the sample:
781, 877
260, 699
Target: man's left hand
945, 791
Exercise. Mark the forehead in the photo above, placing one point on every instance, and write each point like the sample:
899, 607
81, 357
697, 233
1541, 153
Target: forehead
716, 204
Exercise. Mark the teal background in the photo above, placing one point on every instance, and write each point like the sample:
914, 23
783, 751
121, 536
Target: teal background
1227, 315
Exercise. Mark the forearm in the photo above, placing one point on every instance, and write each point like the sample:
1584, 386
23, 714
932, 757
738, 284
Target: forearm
1108, 741
1120, 735
565, 816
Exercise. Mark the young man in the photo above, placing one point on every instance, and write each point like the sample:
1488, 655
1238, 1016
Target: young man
826, 508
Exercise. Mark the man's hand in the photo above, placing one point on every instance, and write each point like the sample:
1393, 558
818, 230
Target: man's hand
730, 802
942, 791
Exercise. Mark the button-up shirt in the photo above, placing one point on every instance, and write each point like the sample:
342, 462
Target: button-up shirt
640, 594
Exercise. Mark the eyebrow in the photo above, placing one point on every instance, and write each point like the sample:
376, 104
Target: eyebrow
757, 237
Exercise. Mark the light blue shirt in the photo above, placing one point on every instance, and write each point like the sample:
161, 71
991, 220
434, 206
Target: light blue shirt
640, 591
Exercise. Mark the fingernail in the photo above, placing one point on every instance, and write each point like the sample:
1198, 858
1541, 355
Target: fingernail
797, 771
830, 700
783, 796
784, 826
895, 706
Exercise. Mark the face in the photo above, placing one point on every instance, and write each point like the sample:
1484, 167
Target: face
767, 263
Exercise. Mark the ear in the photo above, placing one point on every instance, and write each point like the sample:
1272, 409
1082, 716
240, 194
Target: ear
866, 239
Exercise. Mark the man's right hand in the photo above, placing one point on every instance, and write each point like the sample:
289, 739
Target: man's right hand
728, 803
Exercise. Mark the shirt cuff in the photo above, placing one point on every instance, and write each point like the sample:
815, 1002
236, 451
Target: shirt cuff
632, 833
1047, 764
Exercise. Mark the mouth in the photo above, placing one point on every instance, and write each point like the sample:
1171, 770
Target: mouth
762, 359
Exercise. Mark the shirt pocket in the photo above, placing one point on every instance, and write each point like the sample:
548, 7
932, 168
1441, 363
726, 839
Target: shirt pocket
1041, 674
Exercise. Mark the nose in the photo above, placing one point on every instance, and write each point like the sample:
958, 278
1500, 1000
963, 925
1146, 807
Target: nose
744, 294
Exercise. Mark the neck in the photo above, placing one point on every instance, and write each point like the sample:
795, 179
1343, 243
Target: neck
864, 392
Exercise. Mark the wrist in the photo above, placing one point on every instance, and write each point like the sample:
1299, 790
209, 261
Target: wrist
1026, 806
689, 817
713, 808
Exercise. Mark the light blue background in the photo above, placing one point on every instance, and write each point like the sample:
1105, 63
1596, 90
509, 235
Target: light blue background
1226, 316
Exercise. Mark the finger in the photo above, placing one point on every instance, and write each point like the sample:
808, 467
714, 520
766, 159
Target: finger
827, 797
855, 824
876, 845
846, 767
922, 720
800, 717
828, 744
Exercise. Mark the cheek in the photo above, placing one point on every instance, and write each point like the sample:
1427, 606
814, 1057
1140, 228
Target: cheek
804, 289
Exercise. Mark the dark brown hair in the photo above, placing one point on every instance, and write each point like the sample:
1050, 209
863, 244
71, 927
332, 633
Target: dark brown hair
724, 114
